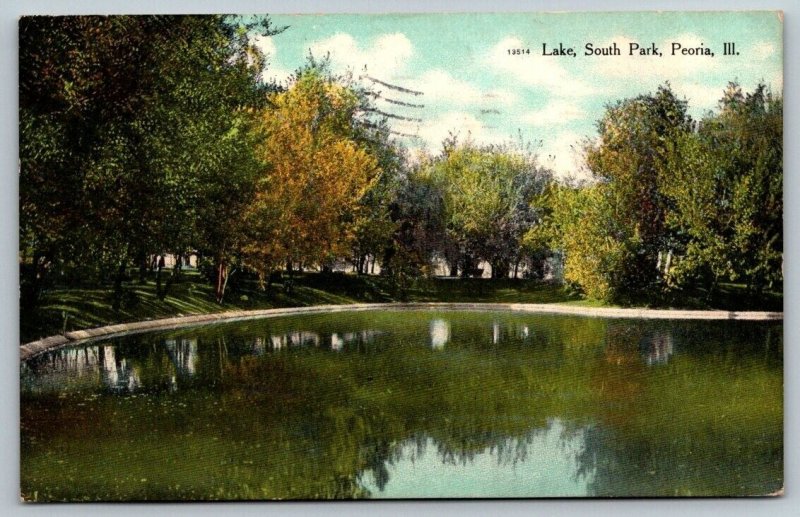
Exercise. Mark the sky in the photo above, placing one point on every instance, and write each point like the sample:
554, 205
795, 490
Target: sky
470, 84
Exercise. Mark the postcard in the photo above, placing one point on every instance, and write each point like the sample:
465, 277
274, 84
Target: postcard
401, 256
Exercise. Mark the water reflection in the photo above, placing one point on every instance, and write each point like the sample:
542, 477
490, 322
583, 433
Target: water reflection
420, 406
337, 343
545, 462
183, 353
77, 367
440, 333
657, 348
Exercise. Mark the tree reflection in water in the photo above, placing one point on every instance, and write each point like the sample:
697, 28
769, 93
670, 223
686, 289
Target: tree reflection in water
409, 404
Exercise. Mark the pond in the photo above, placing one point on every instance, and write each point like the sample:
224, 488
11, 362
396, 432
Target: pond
396, 404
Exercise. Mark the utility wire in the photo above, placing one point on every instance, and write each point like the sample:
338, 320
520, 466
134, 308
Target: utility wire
378, 95
392, 115
392, 86
401, 103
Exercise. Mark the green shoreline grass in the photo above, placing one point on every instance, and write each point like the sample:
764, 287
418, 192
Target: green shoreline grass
65, 309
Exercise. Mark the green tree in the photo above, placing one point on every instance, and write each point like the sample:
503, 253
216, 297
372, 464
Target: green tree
725, 183
127, 125
487, 195
624, 232
580, 225
420, 235
374, 225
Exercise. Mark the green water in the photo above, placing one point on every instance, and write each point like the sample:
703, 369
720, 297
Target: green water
409, 404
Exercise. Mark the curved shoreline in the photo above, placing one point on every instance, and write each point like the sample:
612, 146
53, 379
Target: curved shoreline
34, 348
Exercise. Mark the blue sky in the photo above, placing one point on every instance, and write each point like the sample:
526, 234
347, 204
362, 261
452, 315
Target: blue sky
470, 83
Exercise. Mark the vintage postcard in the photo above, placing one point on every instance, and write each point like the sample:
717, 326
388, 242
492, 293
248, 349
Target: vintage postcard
401, 256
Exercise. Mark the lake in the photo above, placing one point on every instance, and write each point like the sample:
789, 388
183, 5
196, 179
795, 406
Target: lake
398, 404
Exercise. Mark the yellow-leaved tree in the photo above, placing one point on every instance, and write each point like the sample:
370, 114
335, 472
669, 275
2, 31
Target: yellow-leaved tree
316, 171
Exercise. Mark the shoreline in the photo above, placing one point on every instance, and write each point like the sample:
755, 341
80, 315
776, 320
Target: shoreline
34, 348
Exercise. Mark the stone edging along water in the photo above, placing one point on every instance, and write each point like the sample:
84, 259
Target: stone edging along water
34, 348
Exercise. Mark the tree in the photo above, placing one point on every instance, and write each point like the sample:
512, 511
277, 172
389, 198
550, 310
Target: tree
374, 226
627, 230
420, 235
127, 125
314, 177
487, 194
582, 227
725, 182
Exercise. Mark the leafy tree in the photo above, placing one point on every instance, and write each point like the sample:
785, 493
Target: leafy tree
580, 225
487, 202
374, 226
418, 214
127, 125
726, 185
624, 231
315, 174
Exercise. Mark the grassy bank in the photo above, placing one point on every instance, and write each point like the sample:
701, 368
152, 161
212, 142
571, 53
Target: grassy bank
63, 308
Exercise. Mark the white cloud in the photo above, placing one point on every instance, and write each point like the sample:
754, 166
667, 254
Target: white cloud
439, 85
763, 50
775, 82
557, 112
535, 70
701, 97
501, 97
432, 132
267, 46
385, 58
441, 88
563, 155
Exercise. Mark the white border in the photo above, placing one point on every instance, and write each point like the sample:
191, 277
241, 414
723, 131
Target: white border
9, 319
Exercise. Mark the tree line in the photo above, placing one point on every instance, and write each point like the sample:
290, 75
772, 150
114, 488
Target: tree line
674, 202
147, 135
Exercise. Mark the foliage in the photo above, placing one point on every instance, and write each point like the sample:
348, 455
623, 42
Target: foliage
130, 129
631, 150
726, 185
315, 174
487, 194
673, 204
593, 254
418, 214
142, 136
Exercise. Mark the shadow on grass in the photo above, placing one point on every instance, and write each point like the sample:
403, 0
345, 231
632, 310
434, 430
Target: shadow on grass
65, 308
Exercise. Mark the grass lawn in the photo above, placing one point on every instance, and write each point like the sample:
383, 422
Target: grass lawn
77, 308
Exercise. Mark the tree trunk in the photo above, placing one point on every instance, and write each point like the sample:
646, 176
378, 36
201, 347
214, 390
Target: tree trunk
222, 280
36, 275
388, 253
500, 269
118, 284
175, 277
466, 266
178, 270
453, 265
143, 262
161, 265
